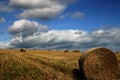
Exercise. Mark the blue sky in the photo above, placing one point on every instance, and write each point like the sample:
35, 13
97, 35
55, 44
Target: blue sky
87, 23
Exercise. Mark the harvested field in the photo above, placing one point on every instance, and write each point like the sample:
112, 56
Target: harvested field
39, 65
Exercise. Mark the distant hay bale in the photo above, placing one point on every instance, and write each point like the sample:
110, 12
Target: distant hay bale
57, 49
99, 64
65, 51
22, 50
76, 51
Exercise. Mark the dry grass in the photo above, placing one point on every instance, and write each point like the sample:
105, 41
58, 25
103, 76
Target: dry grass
39, 65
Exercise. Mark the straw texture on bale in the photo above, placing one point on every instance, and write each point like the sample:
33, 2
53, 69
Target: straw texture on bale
99, 64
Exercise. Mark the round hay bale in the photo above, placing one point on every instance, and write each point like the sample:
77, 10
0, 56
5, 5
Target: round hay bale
22, 50
76, 51
66, 51
99, 64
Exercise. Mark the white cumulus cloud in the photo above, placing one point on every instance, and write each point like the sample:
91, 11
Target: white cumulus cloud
43, 9
26, 28
31, 34
70, 39
4, 45
52, 39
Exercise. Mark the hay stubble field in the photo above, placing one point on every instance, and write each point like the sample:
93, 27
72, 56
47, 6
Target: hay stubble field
39, 64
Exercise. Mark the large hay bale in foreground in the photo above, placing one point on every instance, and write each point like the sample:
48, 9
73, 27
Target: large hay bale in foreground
99, 64
22, 50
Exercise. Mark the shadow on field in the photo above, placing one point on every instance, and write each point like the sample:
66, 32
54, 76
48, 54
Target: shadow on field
97, 64
78, 75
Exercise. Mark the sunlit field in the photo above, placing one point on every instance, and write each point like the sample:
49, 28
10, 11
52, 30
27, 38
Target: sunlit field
39, 64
